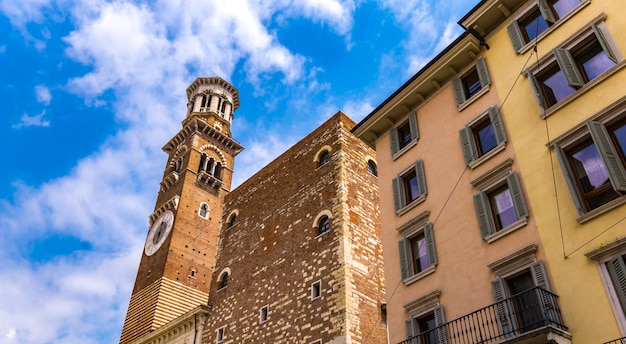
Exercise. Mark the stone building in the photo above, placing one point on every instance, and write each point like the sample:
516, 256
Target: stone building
299, 255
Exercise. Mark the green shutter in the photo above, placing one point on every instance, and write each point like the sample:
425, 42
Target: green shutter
421, 177
395, 143
604, 43
404, 247
540, 278
397, 193
440, 321
467, 142
546, 11
617, 270
415, 134
612, 160
534, 83
496, 123
459, 93
515, 187
430, 243
410, 328
547, 301
483, 212
569, 67
516, 36
483, 73
570, 179
502, 304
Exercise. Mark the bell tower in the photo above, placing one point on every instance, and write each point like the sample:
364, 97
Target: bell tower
175, 271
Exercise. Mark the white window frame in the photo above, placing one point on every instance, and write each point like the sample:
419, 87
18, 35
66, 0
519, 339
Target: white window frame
208, 210
265, 309
319, 284
220, 334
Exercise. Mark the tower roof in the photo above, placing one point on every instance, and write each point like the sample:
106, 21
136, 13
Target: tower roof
216, 80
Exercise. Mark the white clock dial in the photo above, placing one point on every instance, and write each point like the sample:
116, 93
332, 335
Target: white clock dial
159, 232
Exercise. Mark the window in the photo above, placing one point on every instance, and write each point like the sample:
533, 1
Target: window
178, 166
573, 66
523, 300
409, 187
611, 259
470, 83
594, 166
501, 206
371, 168
404, 134
210, 166
323, 225
323, 158
264, 314
417, 252
425, 328
223, 280
232, 219
537, 20
219, 335
203, 211
316, 290
482, 136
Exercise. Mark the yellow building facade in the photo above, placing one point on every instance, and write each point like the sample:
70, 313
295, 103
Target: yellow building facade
561, 64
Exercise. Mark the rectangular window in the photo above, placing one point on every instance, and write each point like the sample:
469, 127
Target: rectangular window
538, 19
573, 67
316, 290
500, 207
427, 328
617, 272
417, 252
595, 167
264, 314
403, 134
470, 83
482, 136
409, 186
219, 334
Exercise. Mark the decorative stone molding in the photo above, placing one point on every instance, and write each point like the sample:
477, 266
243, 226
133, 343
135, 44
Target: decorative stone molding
169, 180
514, 261
407, 229
216, 150
207, 179
172, 205
608, 251
495, 175
423, 304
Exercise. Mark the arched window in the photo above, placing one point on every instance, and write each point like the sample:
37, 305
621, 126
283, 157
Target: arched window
202, 162
193, 273
371, 168
231, 220
223, 281
323, 225
205, 103
323, 158
178, 166
204, 211
209, 166
218, 171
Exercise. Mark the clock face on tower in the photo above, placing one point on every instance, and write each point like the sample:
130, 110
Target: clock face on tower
158, 232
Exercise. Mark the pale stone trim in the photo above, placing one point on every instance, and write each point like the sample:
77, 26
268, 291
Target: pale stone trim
423, 304
473, 98
214, 148
171, 204
513, 262
493, 176
413, 226
316, 159
319, 216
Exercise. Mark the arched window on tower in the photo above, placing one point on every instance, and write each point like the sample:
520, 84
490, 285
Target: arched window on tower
231, 220
178, 166
203, 161
204, 105
223, 109
323, 158
371, 168
204, 211
223, 281
218, 171
210, 166
323, 225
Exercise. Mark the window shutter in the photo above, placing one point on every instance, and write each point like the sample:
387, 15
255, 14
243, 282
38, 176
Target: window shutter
604, 43
410, 328
617, 270
430, 244
540, 277
415, 134
496, 122
397, 189
440, 320
617, 172
537, 89
570, 179
518, 196
395, 143
467, 142
569, 67
459, 93
516, 36
502, 304
483, 73
421, 177
546, 11
483, 212
405, 248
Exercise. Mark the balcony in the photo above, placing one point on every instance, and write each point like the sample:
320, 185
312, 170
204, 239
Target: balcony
530, 317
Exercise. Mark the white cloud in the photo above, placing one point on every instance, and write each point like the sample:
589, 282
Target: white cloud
32, 121
357, 110
21, 12
43, 94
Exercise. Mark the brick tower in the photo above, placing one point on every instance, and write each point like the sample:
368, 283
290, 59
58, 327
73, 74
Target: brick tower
175, 271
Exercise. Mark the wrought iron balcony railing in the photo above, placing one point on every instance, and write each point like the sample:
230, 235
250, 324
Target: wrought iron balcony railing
526, 312
617, 341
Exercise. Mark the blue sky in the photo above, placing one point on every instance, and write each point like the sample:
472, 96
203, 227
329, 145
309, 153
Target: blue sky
91, 91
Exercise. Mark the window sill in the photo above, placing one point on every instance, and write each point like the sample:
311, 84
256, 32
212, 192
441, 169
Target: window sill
319, 236
411, 205
397, 154
222, 288
487, 156
554, 26
473, 98
420, 275
588, 216
507, 230
591, 84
